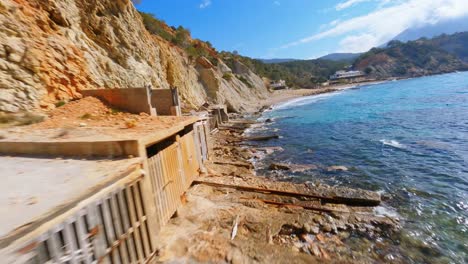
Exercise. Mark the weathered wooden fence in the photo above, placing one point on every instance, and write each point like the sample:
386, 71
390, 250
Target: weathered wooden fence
112, 228
119, 224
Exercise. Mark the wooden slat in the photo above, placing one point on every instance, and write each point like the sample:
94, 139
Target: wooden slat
197, 143
162, 194
140, 215
156, 175
126, 223
204, 142
110, 230
70, 241
41, 253
181, 178
133, 220
153, 177
118, 228
83, 238
168, 181
161, 202
190, 160
98, 240
53, 246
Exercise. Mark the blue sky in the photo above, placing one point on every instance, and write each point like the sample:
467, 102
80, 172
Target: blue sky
301, 29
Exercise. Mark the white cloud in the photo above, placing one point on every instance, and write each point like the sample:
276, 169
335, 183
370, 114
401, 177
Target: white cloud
364, 32
277, 3
334, 22
348, 3
205, 4
354, 43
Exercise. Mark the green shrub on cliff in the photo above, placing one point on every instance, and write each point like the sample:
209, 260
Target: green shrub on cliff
182, 37
155, 26
227, 76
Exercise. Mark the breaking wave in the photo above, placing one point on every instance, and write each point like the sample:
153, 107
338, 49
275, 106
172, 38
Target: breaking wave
303, 100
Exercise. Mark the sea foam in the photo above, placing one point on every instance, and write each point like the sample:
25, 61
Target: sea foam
392, 143
386, 211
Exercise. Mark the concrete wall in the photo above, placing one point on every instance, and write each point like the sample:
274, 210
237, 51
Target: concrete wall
162, 99
133, 100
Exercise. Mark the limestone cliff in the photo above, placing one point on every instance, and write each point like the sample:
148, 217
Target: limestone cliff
50, 50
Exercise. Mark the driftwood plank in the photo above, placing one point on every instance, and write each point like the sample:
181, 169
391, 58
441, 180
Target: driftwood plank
307, 207
325, 199
261, 138
237, 164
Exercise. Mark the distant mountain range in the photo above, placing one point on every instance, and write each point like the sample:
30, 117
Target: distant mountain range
446, 53
270, 61
429, 31
341, 56
332, 57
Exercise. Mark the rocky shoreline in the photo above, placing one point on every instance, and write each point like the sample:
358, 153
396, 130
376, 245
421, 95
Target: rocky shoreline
232, 215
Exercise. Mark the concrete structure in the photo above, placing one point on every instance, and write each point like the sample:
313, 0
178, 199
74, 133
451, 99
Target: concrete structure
166, 102
218, 115
140, 100
100, 195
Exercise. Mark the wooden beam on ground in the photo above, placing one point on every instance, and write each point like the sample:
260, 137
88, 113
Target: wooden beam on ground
245, 122
230, 128
324, 199
307, 207
237, 164
261, 138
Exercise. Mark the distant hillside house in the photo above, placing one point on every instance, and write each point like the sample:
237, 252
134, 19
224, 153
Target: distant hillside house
350, 76
278, 85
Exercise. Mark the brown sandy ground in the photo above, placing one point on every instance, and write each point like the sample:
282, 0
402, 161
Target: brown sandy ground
89, 119
202, 230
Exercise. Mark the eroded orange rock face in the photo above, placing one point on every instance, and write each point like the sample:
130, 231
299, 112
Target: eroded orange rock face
50, 50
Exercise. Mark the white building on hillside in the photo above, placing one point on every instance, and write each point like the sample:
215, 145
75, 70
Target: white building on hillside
278, 85
346, 75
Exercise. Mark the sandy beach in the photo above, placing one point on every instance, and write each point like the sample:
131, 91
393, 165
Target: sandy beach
282, 96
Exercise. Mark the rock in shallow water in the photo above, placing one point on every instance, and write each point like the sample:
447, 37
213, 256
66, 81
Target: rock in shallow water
337, 168
292, 167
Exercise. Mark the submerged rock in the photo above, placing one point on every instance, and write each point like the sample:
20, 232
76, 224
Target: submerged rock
291, 167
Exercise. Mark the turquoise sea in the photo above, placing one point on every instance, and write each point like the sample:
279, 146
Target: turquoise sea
406, 139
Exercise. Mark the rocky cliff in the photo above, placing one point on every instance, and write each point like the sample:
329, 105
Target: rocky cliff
50, 50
